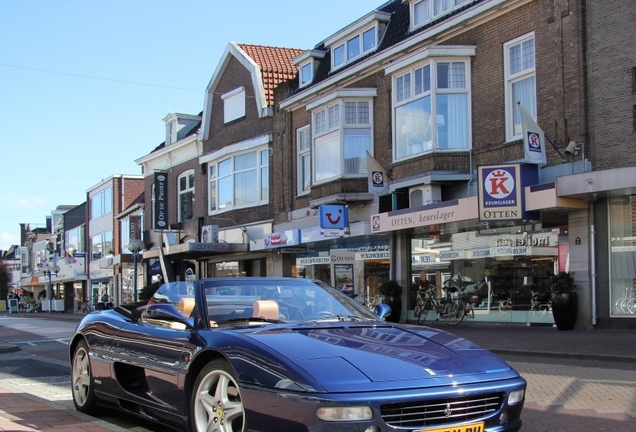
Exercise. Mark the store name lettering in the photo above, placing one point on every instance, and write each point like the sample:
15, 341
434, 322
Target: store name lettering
541, 241
501, 214
422, 218
375, 255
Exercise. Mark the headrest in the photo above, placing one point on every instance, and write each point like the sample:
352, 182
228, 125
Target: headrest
267, 309
185, 306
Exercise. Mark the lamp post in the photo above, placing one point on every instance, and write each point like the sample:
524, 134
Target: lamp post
48, 271
135, 246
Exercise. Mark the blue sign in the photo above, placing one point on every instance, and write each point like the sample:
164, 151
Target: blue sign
334, 217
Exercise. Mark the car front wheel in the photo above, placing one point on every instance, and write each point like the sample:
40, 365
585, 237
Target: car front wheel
82, 381
216, 401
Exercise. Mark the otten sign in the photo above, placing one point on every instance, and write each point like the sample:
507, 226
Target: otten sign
501, 189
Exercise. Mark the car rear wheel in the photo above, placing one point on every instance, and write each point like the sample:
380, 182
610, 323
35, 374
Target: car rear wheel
82, 381
216, 401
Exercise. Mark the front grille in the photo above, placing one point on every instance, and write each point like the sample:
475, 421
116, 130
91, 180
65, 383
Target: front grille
441, 411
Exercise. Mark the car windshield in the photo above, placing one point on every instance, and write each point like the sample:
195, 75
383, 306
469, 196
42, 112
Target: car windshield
278, 300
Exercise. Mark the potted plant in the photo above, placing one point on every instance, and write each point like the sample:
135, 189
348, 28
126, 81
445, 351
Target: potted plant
391, 290
564, 300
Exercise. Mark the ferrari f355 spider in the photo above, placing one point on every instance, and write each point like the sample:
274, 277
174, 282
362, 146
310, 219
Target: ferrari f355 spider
285, 354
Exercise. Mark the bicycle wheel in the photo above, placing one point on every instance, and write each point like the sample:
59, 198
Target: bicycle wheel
425, 309
454, 312
505, 305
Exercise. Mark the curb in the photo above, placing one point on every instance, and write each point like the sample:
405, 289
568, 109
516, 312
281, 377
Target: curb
576, 356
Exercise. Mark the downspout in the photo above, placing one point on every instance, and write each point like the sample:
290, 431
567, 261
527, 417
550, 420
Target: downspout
593, 258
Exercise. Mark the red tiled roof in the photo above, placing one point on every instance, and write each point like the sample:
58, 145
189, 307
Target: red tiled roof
275, 63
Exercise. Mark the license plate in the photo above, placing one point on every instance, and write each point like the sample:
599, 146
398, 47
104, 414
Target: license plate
473, 427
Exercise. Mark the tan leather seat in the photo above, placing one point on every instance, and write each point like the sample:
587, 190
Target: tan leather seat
186, 304
267, 309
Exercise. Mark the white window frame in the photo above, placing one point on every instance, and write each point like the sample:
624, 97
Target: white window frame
513, 116
172, 132
233, 104
405, 92
361, 50
261, 173
189, 188
301, 70
433, 9
303, 150
329, 128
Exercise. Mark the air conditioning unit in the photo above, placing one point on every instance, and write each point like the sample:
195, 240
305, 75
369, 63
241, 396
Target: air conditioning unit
210, 234
423, 195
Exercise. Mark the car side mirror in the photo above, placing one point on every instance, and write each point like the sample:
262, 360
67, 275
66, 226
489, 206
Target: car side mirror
167, 312
382, 310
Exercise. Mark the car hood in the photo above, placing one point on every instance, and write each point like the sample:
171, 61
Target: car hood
358, 356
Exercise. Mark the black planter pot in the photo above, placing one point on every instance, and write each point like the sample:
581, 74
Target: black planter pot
564, 310
396, 308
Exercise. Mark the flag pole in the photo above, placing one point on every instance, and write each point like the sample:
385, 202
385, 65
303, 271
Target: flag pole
555, 147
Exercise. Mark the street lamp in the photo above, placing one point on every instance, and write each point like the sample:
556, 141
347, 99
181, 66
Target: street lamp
135, 246
48, 271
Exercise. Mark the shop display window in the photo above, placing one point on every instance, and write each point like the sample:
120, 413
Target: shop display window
622, 237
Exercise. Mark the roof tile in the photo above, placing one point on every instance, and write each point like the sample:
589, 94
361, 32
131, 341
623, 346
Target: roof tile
276, 65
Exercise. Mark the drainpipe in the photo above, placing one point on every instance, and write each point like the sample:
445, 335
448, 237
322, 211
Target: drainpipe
593, 258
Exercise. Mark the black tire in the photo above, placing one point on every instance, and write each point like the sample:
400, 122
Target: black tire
216, 399
426, 308
454, 312
82, 383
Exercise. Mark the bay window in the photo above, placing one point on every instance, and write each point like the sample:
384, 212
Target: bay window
340, 143
431, 108
238, 181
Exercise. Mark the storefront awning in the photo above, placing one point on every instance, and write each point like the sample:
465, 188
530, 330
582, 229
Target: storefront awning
544, 197
195, 250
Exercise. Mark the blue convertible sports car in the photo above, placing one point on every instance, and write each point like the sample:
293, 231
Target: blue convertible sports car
283, 354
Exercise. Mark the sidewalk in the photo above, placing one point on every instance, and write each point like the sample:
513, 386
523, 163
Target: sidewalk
546, 341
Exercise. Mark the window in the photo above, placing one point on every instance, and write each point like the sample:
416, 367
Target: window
102, 203
354, 47
102, 245
520, 83
424, 11
233, 104
172, 132
303, 144
75, 240
622, 244
349, 139
431, 108
306, 74
185, 190
239, 181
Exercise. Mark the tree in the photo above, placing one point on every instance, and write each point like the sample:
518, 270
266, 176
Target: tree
5, 280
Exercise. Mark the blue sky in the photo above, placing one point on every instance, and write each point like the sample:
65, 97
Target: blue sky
84, 85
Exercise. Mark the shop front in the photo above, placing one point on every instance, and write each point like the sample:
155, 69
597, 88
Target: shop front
101, 286
501, 268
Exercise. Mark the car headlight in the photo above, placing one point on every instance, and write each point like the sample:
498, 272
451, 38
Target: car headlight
353, 413
516, 396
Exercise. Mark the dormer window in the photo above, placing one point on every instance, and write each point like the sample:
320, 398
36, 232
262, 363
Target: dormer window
307, 63
354, 47
358, 39
172, 132
424, 11
178, 126
306, 73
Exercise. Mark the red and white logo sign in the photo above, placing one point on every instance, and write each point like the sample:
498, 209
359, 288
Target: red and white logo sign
499, 184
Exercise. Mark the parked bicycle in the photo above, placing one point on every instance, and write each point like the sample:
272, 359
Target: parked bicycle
86, 307
448, 307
